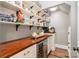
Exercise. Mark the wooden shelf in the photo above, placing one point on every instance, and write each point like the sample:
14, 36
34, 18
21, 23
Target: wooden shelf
5, 22
17, 23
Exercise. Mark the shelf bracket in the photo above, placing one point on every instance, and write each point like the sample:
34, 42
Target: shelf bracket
17, 25
30, 27
38, 27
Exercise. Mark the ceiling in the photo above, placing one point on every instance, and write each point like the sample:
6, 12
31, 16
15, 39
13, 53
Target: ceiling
46, 4
50, 4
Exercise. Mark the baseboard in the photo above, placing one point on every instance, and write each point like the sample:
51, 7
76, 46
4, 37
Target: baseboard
61, 46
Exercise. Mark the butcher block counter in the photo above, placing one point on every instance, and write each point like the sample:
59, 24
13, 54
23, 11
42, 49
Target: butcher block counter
10, 48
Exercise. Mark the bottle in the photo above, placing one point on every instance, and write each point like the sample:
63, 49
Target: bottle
20, 16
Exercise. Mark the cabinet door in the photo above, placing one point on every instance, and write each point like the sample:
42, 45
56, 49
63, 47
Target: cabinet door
31, 52
27, 53
48, 45
52, 41
51, 44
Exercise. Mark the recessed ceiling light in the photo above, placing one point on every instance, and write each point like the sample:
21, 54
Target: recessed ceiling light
53, 9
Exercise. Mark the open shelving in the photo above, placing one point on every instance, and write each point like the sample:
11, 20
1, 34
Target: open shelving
28, 12
35, 9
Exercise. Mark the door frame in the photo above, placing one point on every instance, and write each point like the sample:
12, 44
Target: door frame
78, 27
69, 41
73, 24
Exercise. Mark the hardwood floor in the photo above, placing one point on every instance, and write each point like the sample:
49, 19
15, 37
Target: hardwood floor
59, 53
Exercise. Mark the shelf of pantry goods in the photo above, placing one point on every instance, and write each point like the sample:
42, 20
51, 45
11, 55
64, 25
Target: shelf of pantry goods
36, 8
15, 7
10, 48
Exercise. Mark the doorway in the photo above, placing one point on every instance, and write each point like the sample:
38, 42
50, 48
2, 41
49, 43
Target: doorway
73, 24
60, 19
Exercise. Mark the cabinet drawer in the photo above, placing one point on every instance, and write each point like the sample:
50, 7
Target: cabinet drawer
30, 52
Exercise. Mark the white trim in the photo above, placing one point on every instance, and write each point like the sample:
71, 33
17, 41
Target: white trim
61, 46
77, 28
69, 52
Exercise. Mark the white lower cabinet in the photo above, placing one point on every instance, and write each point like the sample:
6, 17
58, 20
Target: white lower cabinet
48, 45
29, 52
51, 44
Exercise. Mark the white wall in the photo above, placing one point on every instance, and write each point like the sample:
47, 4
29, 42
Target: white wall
60, 21
8, 32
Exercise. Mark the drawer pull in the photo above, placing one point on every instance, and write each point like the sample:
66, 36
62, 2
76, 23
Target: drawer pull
27, 53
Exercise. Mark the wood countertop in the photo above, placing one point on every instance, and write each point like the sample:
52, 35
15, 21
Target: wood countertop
10, 48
